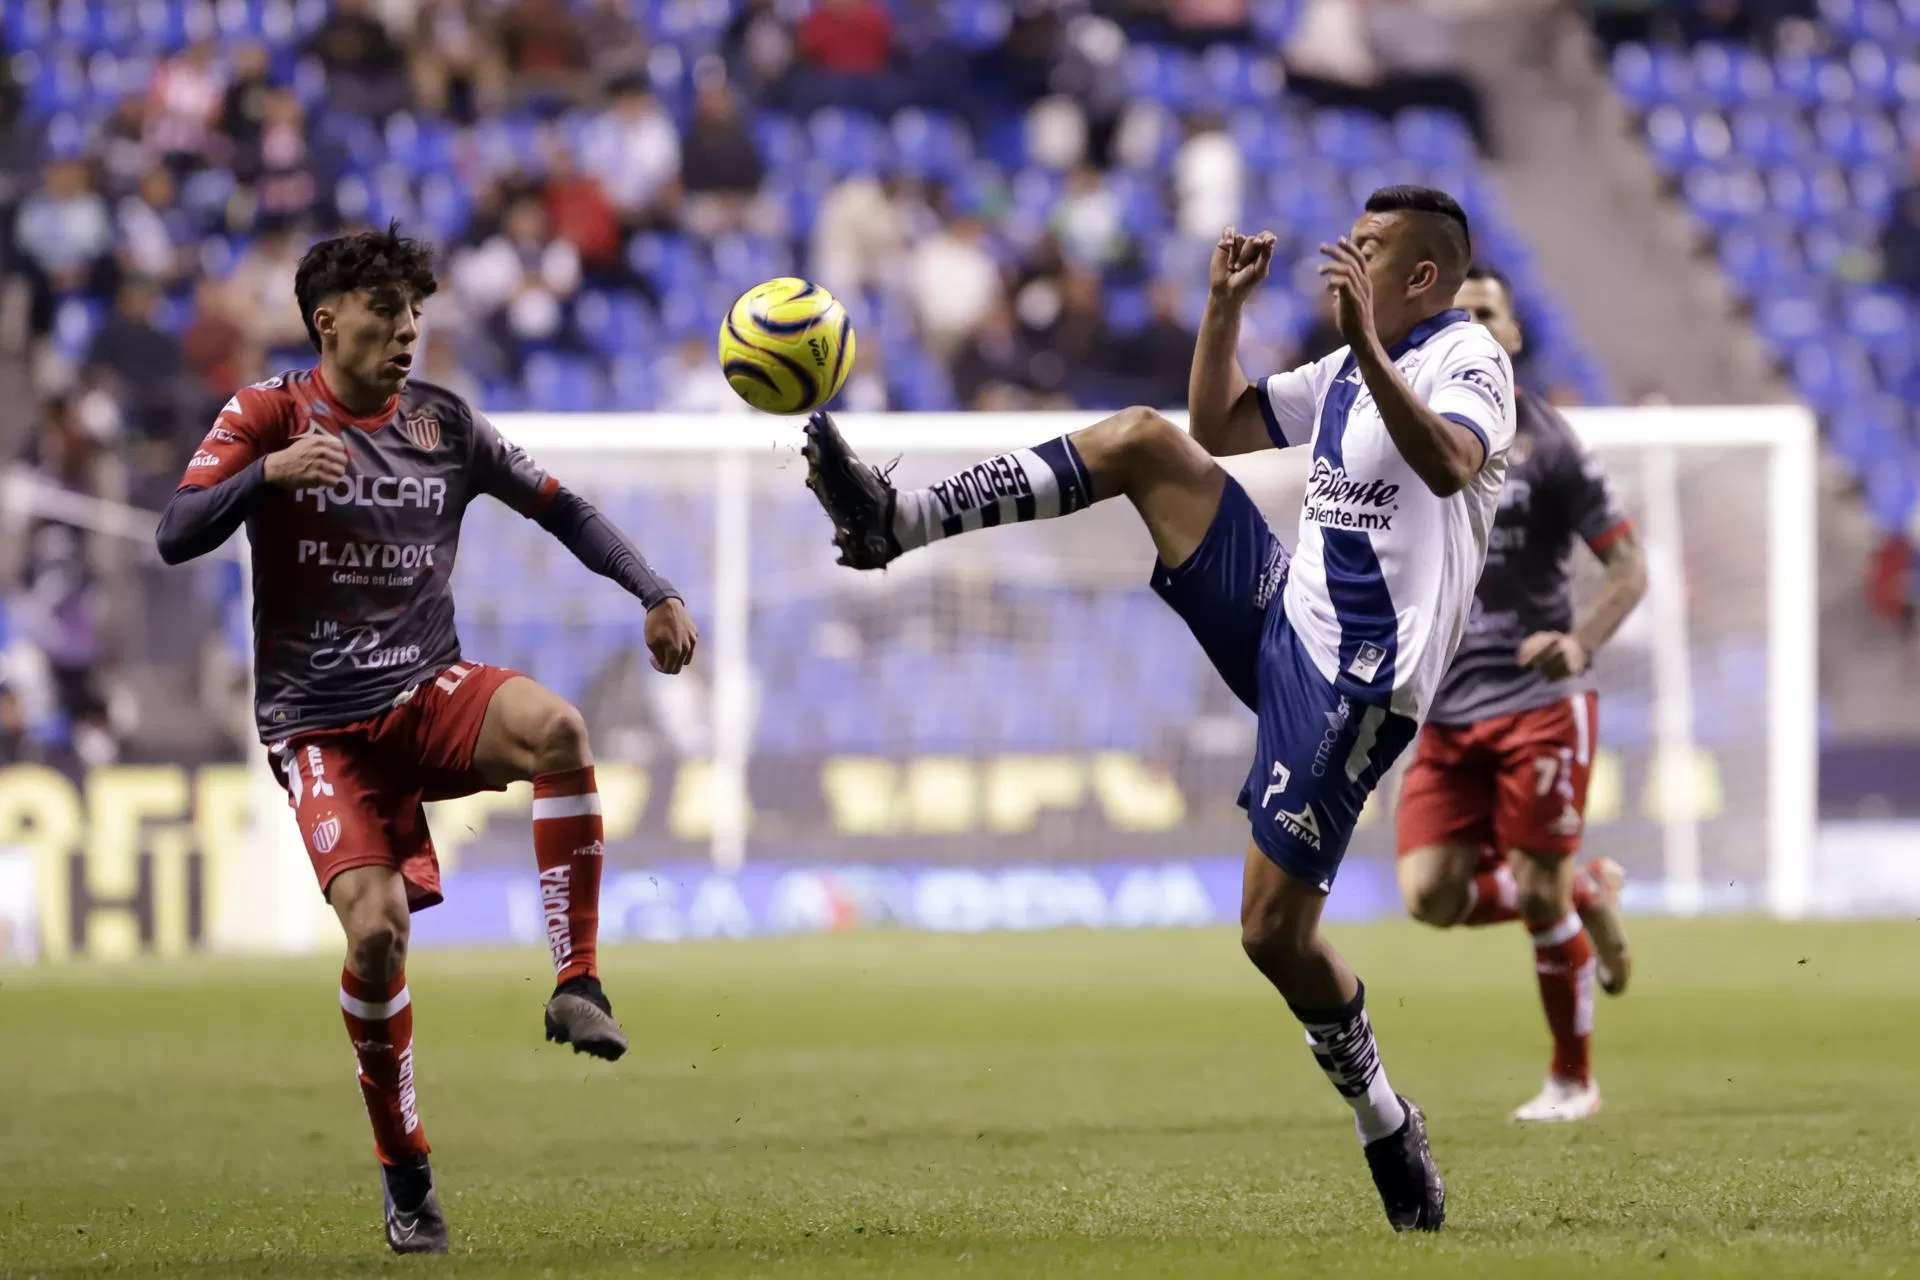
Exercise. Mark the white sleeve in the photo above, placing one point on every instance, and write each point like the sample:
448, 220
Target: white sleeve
1287, 404
1474, 387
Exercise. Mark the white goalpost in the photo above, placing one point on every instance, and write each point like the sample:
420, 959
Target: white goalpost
1713, 785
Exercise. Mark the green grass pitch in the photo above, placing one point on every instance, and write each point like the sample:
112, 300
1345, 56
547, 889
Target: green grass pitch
1056, 1104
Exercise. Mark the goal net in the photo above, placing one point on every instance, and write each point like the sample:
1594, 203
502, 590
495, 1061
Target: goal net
1010, 729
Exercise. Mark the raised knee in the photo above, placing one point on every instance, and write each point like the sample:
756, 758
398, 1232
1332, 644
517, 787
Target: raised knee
1144, 429
1269, 944
562, 740
1433, 904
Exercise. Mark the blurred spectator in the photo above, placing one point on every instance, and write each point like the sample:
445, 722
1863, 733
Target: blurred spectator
155, 234
261, 293
1209, 180
1203, 22
845, 49
521, 282
282, 168
217, 347
866, 390
758, 48
721, 168
1381, 56
691, 382
633, 150
60, 606
1159, 357
1900, 238
124, 156
457, 72
141, 364
858, 236
991, 356
441, 365
65, 238
1089, 70
1087, 220
546, 50
15, 746
1075, 350
1323, 338
183, 102
243, 113
366, 70
955, 282
580, 213
617, 47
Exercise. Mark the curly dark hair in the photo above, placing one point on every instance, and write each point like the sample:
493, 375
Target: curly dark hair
365, 260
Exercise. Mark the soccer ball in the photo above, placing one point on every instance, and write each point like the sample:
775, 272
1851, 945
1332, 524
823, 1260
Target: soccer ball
786, 346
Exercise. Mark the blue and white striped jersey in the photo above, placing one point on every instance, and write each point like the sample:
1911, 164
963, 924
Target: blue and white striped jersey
1382, 582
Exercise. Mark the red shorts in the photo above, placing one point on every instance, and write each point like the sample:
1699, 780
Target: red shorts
1510, 782
357, 791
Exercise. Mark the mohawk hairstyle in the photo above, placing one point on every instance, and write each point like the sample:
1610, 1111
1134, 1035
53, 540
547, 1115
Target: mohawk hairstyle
1442, 224
365, 260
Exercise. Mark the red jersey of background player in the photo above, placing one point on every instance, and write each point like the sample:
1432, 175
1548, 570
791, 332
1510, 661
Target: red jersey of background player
353, 599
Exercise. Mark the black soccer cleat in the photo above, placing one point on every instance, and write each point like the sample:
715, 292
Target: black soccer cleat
421, 1228
1408, 1180
859, 499
579, 1014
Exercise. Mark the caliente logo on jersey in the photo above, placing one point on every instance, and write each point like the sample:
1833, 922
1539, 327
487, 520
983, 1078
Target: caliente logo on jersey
1338, 501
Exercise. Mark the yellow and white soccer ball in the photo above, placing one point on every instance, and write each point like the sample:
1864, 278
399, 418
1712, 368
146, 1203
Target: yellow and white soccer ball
786, 346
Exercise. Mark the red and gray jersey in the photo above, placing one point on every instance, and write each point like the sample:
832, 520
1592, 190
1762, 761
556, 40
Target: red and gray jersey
352, 595
1556, 495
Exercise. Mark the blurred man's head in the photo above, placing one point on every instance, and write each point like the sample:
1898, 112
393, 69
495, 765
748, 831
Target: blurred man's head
361, 296
137, 298
1488, 298
156, 187
1417, 247
526, 222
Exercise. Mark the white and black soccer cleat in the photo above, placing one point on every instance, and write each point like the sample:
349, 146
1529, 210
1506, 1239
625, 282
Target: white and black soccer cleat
859, 499
1408, 1180
579, 1014
422, 1228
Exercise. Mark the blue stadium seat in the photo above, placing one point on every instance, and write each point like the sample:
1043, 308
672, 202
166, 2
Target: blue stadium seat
1832, 374
848, 142
1728, 75
1790, 321
558, 383
1766, 135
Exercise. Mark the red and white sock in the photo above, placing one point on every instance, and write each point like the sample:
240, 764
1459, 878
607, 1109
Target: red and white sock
1492, 896
379, 1018
1563, 960
567, 844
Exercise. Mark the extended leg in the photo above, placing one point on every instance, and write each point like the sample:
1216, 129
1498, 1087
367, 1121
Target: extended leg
1135, 453
371, 903
1280, 931
532, 733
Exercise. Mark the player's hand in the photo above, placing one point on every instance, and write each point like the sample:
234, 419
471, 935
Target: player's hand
1554, 654
1238, 265
316, 460
1345, 272
671, 636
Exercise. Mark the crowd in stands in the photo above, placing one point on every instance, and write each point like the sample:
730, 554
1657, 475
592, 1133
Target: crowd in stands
1014, 199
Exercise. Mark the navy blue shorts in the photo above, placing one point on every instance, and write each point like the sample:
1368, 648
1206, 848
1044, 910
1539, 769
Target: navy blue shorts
1318, 752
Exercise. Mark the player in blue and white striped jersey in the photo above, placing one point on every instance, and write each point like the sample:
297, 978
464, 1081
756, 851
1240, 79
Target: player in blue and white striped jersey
1338, 650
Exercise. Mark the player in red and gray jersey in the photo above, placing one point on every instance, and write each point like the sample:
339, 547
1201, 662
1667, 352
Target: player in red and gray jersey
1494, 802
351, 482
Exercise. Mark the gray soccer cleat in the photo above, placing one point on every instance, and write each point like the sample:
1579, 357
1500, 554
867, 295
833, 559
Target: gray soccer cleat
859, 499
423, 1229
579, 1015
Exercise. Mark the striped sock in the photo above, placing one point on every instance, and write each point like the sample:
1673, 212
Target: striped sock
1563, 961
1028, 484
567, 845
379, 1017
1342, 1043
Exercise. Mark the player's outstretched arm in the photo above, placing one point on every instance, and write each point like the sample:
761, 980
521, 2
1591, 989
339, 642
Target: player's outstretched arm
1223, 405
1444, 451
593, 540
199, 518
